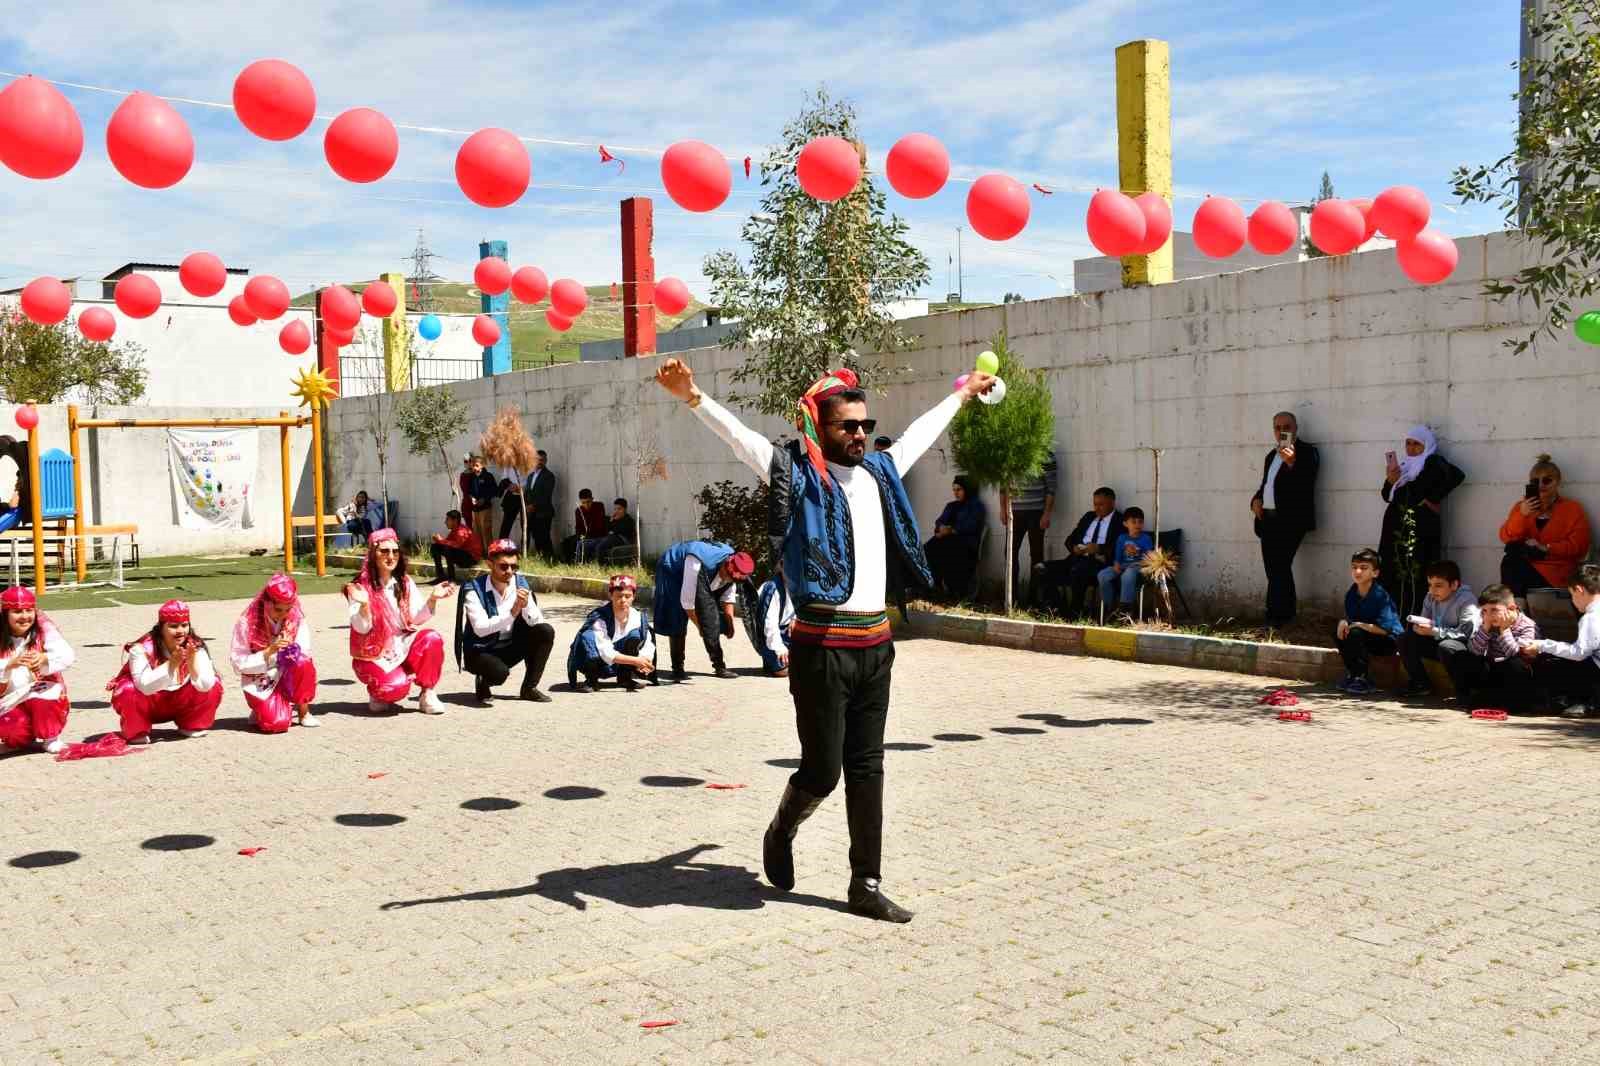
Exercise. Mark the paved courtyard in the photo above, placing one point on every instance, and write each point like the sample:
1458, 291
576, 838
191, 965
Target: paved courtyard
1110, 863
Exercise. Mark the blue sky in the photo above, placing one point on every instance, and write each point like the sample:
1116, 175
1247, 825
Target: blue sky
1266, 96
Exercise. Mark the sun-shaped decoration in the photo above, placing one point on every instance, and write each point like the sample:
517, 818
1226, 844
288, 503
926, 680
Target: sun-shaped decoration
314, 388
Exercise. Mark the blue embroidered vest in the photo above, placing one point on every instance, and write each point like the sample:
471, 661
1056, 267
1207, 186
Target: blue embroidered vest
466, 638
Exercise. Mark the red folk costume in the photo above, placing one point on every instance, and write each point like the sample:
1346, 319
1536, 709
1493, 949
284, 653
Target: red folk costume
273, 689
33, 703
152, 688
389, 649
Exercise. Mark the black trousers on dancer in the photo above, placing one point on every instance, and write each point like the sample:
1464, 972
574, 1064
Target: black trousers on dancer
530, 645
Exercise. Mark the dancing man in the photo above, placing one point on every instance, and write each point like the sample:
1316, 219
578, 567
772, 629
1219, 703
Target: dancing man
614, 641
848, 539
167, 676
271, 653
503, 626
389, 648
33, 656
698, 581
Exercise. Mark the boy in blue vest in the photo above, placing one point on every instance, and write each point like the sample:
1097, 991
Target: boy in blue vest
774, 620
698, 581
499, 624
614, 641
847, 539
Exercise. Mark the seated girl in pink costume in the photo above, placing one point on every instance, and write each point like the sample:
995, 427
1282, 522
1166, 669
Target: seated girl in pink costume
271, 653
33, 655
167, 676
389, 648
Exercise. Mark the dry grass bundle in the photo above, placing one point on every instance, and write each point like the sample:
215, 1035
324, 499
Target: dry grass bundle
506, 444
1159, 566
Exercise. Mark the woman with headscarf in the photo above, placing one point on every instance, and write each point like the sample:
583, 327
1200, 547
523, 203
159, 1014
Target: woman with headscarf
33, 656
167, 676
1416, 480
271, 653
953, 551
389, 647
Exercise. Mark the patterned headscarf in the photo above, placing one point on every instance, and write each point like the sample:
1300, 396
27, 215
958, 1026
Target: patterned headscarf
18, 597
809, 415
622, 583
252, 631
174, 611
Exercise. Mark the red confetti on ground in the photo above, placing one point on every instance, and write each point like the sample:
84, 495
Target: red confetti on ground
252, 852
1281, 698
1294, 716
718, 784
657, 1025
1490, 715
377, 774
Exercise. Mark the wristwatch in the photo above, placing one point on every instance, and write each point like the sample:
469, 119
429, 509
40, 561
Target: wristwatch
695, 396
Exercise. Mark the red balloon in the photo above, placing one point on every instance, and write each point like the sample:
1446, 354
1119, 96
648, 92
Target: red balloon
1401, 212
567, 298
266, 296
493, 168
1273, 228
240, 312
27, 417
1157, 222
1428, 258
97, 324
340, 308
1337, 226
138, 296
829, 168
379, 300
1364, 205
274, 100
294, 337
340, 337
529, 284
559, 323
486, 331
202, 274
492, 275
918, 166
997, 207
149, 143
1116, 223
672, 296
46, 301
40, 135
696, 176
361, 145
1219, 227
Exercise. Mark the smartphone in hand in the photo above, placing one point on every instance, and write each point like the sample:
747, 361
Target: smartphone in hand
1531, 490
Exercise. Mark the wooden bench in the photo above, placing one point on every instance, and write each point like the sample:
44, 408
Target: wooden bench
305, 526
62, 541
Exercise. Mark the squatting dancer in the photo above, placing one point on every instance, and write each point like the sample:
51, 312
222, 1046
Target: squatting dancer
847, 537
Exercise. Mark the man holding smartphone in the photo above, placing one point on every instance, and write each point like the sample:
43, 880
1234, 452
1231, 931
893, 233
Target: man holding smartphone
1285, 511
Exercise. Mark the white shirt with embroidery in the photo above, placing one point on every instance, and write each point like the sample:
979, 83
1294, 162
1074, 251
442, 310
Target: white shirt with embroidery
164, 677
399, 643
257, 676
21, 684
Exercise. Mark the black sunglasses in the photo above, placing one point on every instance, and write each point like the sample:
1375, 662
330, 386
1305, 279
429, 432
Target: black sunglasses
852, 426
1545, 480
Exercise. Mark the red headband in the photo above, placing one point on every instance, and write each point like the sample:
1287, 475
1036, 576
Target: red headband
383, 536
281, 588
175, 611
620, 582
18, 597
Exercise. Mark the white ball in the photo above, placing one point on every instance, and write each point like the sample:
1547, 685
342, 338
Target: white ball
996, 393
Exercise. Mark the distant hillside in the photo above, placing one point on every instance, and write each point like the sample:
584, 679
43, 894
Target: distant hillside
533, 342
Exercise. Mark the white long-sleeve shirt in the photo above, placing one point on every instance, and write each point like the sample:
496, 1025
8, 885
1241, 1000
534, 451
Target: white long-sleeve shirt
859, 487
260, 677
504, 617
775, 624
20, 683
399, 643
603, 641
164, 678
1587, 646
691, 578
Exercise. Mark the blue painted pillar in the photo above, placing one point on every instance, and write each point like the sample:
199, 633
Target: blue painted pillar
497, 357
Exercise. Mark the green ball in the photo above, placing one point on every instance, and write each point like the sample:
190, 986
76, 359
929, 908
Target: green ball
1588, 327
989, 363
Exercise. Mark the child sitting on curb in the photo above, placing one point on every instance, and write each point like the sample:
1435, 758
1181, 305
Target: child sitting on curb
1448, 615
1570, 673
1370, 625
1493, 667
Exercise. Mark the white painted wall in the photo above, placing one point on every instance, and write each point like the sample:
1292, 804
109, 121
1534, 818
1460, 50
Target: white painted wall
1195, 367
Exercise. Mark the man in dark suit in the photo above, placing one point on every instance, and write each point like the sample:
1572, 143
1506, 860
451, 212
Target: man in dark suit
539, 496
1066, 583
1285, 510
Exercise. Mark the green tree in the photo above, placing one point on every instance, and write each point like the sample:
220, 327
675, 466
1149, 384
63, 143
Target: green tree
737, 515
1548, 185
1324, 192
1006, 444
51, 363
429, 419
818, 277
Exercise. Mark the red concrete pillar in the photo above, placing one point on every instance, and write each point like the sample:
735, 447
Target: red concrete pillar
638, 278
327, 351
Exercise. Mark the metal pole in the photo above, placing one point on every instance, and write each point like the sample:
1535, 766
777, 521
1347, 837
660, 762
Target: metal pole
187, 423
316, 488
961, 278
78, 544
36, 508
288, 499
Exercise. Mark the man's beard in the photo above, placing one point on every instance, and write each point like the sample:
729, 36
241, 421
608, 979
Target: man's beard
842, 455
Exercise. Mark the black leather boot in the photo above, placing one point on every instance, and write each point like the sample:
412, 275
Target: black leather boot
777, 847
863, 802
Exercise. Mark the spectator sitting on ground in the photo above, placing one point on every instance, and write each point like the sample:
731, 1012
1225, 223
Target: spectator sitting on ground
1370, 625
458, 547
623, 530
1123, 573
1441, 629
1065, 583
1570, 673
953, 550
589, 528
1546, 535
1493, 662
1417, 481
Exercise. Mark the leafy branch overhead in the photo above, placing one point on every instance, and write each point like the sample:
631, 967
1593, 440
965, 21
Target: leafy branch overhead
51, 363
818, 277
1549, 183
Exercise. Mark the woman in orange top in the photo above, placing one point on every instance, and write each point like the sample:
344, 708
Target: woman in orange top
1546, 535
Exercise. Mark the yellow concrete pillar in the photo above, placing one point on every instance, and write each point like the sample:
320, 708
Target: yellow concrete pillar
396, 338
1144, 142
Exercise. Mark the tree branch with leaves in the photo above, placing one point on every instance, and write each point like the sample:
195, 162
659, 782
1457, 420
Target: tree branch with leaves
51, 363
429, 419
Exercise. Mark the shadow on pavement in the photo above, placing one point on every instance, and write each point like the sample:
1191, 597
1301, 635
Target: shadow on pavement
491, 803
178, 842
38, 860
369, 821
573, 792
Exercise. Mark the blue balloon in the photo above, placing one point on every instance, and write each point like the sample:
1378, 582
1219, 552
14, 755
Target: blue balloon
430, 327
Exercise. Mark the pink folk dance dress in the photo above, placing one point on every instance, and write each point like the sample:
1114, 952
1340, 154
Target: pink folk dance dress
151, 689
33, 704
273, 689
389, 649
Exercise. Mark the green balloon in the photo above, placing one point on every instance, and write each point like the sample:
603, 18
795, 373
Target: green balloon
1588, 327
989, 363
